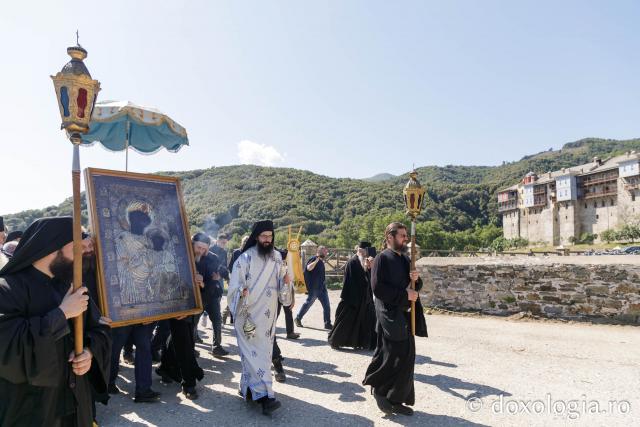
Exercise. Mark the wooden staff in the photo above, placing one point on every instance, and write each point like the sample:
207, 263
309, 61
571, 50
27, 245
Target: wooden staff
413, 267
77, 246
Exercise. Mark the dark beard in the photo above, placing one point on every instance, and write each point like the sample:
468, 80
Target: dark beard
265, 249
402, 248
62, 268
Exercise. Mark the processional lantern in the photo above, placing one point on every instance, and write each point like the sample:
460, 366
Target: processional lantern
76, 93
413, 198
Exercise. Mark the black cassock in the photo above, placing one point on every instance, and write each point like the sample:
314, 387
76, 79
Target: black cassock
37, 385
355, 318
390, 372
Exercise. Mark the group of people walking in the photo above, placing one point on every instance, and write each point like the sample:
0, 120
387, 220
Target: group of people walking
43, 382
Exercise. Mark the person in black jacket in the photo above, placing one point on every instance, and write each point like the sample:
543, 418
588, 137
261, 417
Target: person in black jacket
390, 373
209, 267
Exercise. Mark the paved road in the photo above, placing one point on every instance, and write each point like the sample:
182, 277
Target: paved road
470, 371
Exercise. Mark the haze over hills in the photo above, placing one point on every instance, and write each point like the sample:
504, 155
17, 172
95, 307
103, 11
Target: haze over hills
461, 198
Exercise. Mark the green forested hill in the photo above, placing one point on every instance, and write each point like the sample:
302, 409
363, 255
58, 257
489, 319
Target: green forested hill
461, 209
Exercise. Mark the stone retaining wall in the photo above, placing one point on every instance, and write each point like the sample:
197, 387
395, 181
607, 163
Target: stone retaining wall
572, 287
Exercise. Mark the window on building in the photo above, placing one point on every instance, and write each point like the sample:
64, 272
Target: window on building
595, 204
633, 197
566, 217
611, 202
602, 204
585, 206
597, 216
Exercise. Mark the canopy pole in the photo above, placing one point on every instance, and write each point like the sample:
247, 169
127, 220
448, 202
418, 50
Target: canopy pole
126, 148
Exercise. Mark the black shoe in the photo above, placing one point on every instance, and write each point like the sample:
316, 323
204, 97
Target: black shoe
190, 392
383, 404
399, 408
218, 351
113, 389
293, 335
129, 357
279, 375
164, 376
269, 405
298, 322
148, 396
328, 326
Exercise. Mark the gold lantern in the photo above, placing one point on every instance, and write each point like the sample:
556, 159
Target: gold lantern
413, 195
76, 92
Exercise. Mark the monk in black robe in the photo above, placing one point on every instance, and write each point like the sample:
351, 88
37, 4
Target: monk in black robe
390, 373
42, 381
355, 318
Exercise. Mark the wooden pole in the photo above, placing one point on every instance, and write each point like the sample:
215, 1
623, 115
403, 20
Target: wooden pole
413, 267
77, 245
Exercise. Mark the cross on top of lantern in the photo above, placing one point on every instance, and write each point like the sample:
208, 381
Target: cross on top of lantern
413, 195
76, 92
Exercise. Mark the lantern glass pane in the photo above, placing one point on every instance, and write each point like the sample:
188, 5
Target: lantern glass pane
82, 102
64, 100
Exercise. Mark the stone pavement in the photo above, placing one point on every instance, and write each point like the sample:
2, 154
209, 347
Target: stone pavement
470, 371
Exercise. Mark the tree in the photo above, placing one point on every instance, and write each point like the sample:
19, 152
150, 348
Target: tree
608, 235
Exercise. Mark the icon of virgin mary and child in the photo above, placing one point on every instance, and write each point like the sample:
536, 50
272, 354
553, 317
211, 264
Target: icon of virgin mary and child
147, 269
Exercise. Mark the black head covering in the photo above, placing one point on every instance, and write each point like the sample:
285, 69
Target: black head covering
14, 235
258, 228
42, 237
202, 238
364, 245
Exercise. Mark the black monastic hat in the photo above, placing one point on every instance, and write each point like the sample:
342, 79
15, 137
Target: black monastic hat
258, 228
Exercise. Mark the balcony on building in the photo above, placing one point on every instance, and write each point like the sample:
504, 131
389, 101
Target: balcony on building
598, 179
507, 206
605, 192
507, 200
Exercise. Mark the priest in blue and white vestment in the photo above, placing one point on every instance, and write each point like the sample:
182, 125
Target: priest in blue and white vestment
257, 280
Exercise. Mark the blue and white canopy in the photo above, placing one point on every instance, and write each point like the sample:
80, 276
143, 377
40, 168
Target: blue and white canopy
118, 125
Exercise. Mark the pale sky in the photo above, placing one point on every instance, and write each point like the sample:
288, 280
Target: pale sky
342, 88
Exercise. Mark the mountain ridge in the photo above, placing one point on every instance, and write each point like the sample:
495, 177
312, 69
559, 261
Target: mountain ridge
230, 198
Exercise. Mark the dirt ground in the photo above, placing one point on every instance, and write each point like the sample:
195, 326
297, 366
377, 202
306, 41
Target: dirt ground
470, 371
